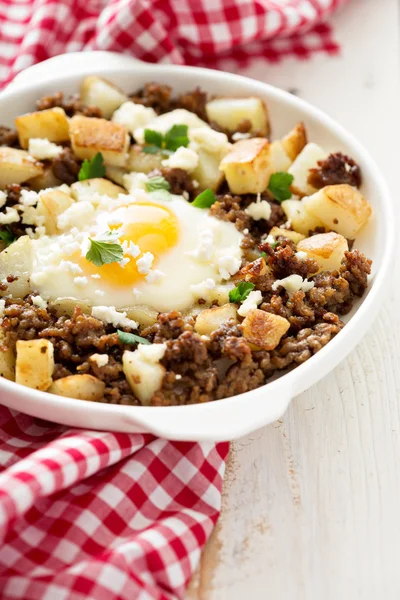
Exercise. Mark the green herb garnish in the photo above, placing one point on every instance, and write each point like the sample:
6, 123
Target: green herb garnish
92, 168
173, 139
205, 199
104, 252
131, 338
157, 183
279, 185
241, 291
263, 254
7, 236
274, 245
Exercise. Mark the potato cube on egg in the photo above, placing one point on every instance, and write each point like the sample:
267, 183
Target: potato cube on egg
17, 166
90, 136
51, 124
264, 329
342, 208
248, 166
35, 363
96, 91
300, 169
327, 249
301, 219
230, 112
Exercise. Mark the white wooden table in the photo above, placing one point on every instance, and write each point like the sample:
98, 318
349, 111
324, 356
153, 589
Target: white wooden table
311, 504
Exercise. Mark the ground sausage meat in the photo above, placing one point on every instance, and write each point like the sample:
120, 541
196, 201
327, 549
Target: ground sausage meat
66, 166
72, 105
337, 168
8, 137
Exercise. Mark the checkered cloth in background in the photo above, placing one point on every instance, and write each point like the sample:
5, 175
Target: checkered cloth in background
103, 516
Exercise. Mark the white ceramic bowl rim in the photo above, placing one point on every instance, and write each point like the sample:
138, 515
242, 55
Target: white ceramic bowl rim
189, 422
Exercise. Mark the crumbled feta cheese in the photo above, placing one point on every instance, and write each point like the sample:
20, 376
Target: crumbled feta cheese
2, 307
95, 276
42, 148
245, 231
209, 140
3, 198
270, 239
133, 115
124, 261
28, 197
183, 158
204, 290
108, 314
259, 210
151, 353
144, 263
136, 293
301, 255
75, 215
177, 376
10, 216
238, 135
135, 181
101, 360
228, 265
39, 301
99, 293
155, 276
71, 267
130, 248
80, 281
293, 283
195, 183
205, 249
71, 248
251, 302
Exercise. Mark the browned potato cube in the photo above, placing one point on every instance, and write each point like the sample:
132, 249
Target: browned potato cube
35, 364
248, 166
90, 136
327, 249
294, 142
51, 124
287, 233
212, 319
81, 387
264, 329
17, 166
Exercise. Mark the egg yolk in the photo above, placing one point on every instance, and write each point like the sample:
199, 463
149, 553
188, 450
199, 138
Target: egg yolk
153, 228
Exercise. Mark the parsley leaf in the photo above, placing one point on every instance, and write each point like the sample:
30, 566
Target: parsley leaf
157, 183
241, 291
92, 168
279, 185
131, 338
155, 138
263, 254
205, 199
103, 252
7, 236
176, 137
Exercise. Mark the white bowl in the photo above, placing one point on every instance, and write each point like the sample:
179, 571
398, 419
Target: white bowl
232, 417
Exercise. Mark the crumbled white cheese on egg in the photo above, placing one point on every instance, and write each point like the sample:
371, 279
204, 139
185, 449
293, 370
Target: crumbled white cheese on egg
99, 293
136, 293
71, 267
39, 301
183, 158
133, 115
10, 216
42, 148
108, 314
130, 248
259, 210
293, 283
204, 289
3, 198
155, 276
251, 302
151, 353
75, 215
95, 276
144, 263
205, 249
101, 360
228, 265
80, 281
124, 261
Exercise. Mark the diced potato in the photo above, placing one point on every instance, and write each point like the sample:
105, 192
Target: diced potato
248, 166
7, 361
80, 387
144, 377
35, 364
90, 136
213, 318
45, 180
294, 142
96, 91
65, 307
17, 260
17, 166
264, 329
207, 172
280, 160
116, 174
301, 219
50, 206
300, 169
51, 124
143, 315
163, 123
228, 113
342, 208
287, 233
97, 185
141, 162
327, 249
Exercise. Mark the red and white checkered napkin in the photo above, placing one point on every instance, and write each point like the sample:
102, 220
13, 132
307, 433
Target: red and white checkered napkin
196, 32
86, 514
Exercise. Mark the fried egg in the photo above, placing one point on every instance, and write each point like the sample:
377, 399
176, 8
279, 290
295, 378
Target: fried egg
170, 248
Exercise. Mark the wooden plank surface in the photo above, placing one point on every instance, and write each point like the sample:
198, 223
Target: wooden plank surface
311, 503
